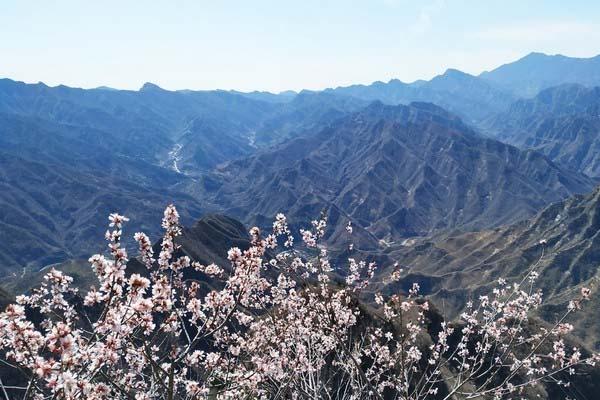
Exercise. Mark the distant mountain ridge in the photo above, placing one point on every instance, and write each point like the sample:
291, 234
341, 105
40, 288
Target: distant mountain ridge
70, 156
476, 98
563, 122
149, 123
531, 74
465, 95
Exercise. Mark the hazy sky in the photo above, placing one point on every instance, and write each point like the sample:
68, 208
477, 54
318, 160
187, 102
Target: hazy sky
277, 45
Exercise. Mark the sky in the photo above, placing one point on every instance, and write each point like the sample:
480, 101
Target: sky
278, 45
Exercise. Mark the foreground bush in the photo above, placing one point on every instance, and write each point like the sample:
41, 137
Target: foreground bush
274, 325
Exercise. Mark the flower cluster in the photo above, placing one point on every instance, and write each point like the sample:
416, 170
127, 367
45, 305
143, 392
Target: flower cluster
271, 325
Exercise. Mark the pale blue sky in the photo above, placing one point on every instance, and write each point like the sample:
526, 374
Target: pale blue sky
277, 45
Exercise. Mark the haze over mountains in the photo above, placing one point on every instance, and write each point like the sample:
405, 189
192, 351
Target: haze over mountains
475, 97
537, 71
399, 160
466, 95
562, 122
70, 156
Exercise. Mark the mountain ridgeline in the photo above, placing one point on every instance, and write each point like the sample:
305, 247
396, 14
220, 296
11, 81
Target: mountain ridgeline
562, 122
398, 160
69, 157
561, 243
466, 95
529, 75
395, 172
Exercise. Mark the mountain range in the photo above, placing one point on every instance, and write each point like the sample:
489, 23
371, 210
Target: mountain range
69, 157
475, 98
67, 154
396, 172
468, 96
537, 71
562, 122
561, 243
437, 174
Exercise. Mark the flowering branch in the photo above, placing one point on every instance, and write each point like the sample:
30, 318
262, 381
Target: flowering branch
273, 325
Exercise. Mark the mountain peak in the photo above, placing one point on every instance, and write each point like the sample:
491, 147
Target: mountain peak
108, 88
455, 72
149, 87
453, 75
395, 81
529, 75
535, 54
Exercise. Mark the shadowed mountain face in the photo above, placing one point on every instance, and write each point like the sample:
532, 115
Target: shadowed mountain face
50, 213
466, 95
69, 157
185, 131
563, 122
562, 243
531, 74
145, 124
396, 172
206, 241
209, 239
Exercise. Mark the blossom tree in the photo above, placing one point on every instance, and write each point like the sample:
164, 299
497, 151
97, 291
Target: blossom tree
277, 323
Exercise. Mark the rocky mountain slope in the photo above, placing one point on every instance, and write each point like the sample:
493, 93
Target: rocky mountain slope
69, 157
561, 243
396, 172
562, 122
51, 213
